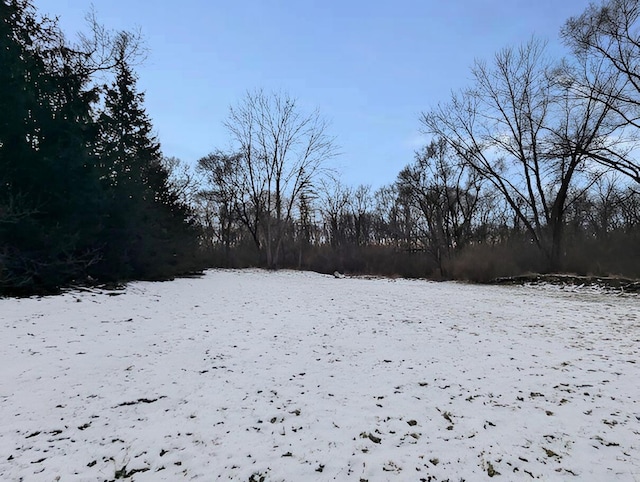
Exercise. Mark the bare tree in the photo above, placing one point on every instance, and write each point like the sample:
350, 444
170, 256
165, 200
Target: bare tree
361, 203
334, 200
223, 203
608, 35
182, 181
605, 213
283, 152
445, 196
526, 129
101, 50
392, 219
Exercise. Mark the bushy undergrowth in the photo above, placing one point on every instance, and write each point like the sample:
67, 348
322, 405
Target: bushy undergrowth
617, 255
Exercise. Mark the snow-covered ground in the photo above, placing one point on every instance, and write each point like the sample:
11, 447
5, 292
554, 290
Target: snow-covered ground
253, 375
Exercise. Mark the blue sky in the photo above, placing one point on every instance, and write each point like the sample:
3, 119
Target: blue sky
369, 67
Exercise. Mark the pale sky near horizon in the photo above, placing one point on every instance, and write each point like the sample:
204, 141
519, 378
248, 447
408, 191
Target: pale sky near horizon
369, 67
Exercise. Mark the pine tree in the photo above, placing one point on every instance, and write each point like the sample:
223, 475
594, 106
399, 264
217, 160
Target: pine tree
49, 193
147, 231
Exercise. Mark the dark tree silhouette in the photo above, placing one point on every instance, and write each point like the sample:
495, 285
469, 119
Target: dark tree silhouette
148, 233
608, 34
49, 191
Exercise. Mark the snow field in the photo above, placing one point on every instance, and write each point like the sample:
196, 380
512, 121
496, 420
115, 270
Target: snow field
288, 376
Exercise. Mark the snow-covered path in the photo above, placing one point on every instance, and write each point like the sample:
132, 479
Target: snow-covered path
252, 375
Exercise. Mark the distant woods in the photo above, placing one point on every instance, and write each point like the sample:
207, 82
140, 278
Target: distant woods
533, 167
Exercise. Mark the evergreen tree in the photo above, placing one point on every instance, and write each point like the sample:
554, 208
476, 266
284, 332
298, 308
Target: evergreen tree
49, 193
148, 234
79, 193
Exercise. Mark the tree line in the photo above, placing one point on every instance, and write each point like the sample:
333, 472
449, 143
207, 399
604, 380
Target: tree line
532, 167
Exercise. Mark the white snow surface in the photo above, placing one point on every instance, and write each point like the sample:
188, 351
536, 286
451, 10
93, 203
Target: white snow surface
251, 375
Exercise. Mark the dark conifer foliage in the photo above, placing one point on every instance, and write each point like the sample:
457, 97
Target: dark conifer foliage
80, 194
49, 195
147, 230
